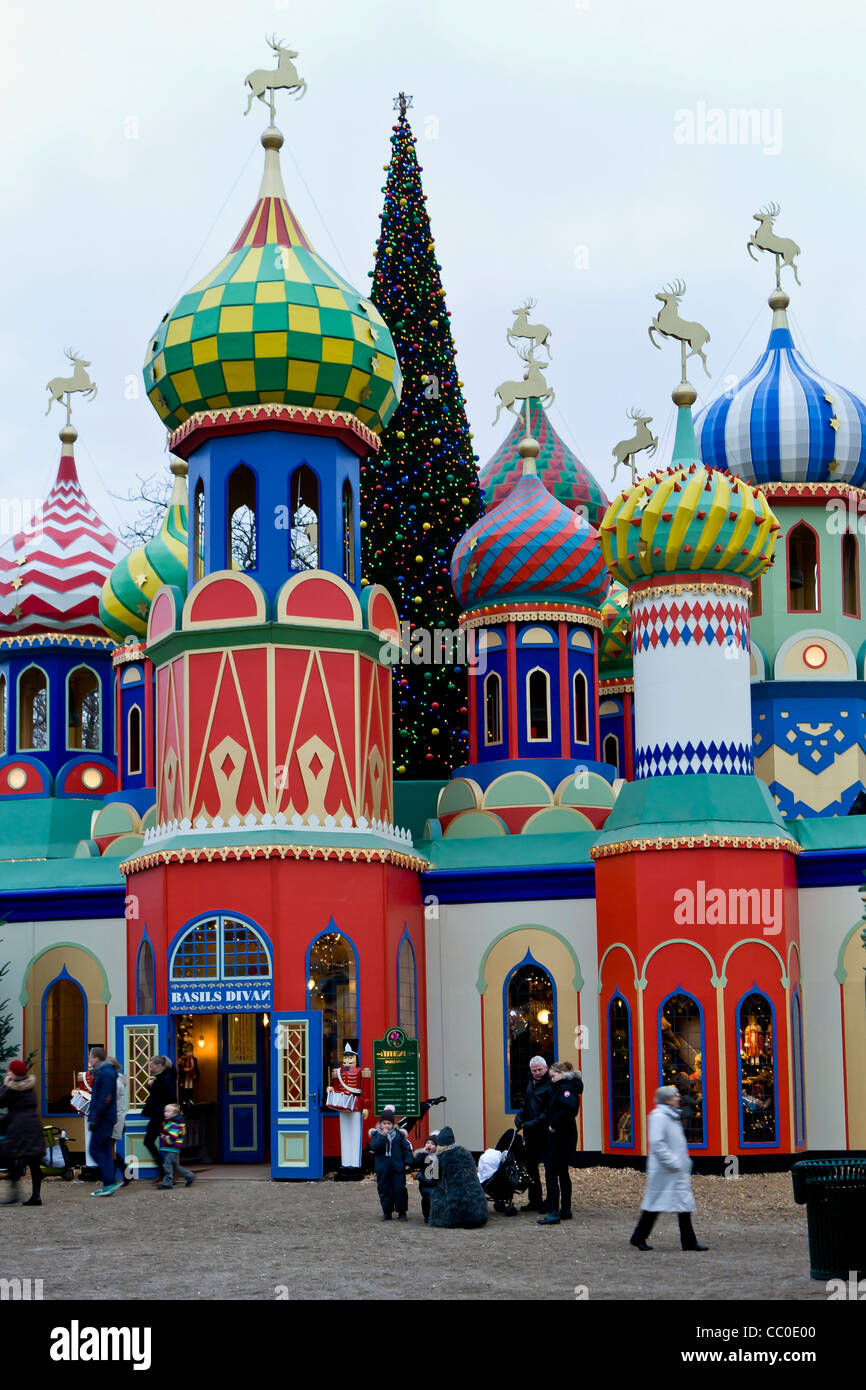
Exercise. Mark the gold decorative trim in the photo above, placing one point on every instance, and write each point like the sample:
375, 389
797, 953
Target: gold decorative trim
647, 588
780, 490
615, 687
237, 853
56, 639
228, 417
696, 842
507, 613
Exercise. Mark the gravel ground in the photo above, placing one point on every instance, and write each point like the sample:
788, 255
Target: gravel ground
236, 1238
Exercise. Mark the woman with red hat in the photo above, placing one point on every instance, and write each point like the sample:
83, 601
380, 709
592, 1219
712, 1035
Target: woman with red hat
25, 1141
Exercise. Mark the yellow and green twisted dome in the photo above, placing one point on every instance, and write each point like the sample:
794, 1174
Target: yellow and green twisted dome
688, 519
614, 652
131, 586
273, 322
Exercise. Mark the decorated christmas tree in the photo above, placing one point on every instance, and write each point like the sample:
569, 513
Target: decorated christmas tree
420, 493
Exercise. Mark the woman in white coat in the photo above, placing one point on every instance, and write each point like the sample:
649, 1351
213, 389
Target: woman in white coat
668, 1172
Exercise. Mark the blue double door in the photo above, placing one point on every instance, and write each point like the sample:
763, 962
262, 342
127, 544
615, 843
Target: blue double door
243, 1045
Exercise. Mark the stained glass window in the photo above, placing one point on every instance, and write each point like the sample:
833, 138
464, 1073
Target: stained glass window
757, 1070
682, 1060
530, 1026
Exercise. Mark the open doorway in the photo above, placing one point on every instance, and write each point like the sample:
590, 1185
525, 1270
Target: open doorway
223, 1067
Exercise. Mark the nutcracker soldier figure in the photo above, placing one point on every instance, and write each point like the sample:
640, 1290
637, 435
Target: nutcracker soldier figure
345, 1094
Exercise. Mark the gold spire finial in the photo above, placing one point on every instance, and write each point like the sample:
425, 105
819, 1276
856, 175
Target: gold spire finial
282, 78
533, 386
63, 387
783, 248
643, 438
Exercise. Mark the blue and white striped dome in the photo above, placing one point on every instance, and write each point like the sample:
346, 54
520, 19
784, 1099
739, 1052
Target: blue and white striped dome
784, 422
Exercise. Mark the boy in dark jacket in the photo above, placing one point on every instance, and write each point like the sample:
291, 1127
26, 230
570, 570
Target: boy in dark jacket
170, 1144
392, 1152
426, 1182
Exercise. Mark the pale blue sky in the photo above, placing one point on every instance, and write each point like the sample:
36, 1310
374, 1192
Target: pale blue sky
556, 131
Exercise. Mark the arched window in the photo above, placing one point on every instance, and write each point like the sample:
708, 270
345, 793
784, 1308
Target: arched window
580, 697
198, 531
799, 1088
620, 1082
304, 509
530, 1025
681, 1053
83, 721
407, 981
850, 575
33, 709
242, 539
492, 708
757, 1070
2, 714
220, 948
145, 980
755, 599
64, 1041
133, 740
610, 752
538, 706
348, 533
803, 587
332, 987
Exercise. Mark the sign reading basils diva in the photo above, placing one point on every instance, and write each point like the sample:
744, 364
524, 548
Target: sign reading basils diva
216, 996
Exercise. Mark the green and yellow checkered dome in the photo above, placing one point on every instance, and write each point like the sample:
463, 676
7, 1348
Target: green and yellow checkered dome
131, 586
273, 323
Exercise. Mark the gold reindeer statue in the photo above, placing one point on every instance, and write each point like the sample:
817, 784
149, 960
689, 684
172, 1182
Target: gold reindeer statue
538, 333
533, 386
61, 386
764, 239
670, 325
643, 438
283, 77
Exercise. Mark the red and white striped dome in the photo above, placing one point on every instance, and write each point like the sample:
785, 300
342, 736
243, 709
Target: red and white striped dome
53, 569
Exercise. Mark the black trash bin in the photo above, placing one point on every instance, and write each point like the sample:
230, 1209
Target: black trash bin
834, 1192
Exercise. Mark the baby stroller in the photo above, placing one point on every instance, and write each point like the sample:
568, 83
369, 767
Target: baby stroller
512, 1175
56, 1162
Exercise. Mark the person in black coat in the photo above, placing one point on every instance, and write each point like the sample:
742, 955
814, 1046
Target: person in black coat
426, 1183
392, 1152
458, 1198
163, 1091
561, 1141
532, 1119
25, 1139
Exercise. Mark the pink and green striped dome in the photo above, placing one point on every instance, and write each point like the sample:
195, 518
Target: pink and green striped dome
560, 470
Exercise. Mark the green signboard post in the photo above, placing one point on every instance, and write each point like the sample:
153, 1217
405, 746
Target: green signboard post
396, 1078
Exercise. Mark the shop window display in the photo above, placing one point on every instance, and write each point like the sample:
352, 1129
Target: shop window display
619, 1064
333, 989
757, 1071
682, 1062
530, 1025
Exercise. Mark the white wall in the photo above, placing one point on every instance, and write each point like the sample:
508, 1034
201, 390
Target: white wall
456, 946
826, 917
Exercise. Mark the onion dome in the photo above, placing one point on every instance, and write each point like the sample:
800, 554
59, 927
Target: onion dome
52, 571
688, 519
785, 422
273, 323
615, 646
560, 470
529, 547
131, 586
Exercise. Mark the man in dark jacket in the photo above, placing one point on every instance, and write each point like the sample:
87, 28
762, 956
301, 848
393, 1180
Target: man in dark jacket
162, 1083
532, 1118
101, 1118
567, 1088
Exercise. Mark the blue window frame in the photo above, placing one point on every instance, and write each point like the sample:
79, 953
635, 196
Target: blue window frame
529, 1024
407, 986
145, 979
681, 1060
64, 1041
756, 1071
799, 1088
220, 947
620, 1074
334, 989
